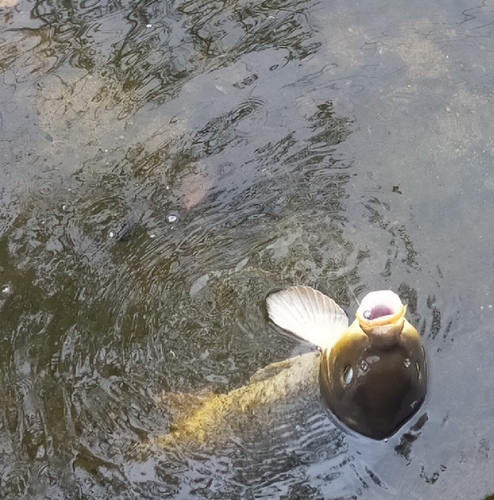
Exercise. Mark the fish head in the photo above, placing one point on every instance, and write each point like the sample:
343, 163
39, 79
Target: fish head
374, 378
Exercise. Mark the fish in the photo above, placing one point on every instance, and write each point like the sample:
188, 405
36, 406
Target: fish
373, 373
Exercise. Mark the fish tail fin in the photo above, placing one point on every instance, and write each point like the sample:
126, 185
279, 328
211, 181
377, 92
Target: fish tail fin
308, 314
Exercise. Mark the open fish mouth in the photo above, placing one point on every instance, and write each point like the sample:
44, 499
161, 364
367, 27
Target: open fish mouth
378, 311
380, 308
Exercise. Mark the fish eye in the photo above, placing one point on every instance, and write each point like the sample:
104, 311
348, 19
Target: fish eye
347, 375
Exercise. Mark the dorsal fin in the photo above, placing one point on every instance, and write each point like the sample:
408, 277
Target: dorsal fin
308, 314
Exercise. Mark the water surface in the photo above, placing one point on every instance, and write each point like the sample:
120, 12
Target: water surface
165, 165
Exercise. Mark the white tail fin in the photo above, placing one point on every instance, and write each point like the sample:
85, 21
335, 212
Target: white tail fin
308, 314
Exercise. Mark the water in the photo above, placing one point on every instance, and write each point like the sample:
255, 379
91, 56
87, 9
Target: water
164, 166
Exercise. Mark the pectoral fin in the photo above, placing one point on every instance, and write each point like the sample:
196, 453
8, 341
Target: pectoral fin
308, 314
272, 370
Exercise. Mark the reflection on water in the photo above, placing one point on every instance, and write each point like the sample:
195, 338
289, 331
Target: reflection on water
164, 166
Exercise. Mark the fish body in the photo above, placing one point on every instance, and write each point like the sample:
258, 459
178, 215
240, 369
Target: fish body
280, 392
373, 374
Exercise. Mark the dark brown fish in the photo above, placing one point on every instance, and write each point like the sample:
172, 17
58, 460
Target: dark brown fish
373, 373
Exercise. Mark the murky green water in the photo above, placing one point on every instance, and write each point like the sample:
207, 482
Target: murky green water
165, 165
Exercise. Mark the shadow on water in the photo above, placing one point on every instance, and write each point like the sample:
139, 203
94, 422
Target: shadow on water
165, 166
